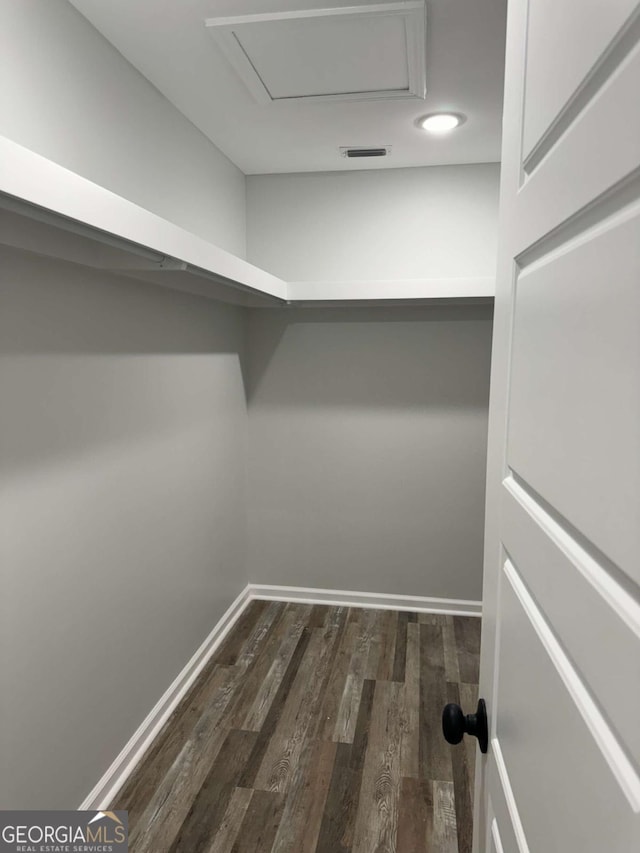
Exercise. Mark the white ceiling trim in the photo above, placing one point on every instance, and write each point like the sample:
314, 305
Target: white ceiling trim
227, 32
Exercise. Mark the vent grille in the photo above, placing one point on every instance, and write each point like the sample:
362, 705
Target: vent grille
354, 152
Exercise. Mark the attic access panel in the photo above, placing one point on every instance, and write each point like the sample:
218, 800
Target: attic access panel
371, 52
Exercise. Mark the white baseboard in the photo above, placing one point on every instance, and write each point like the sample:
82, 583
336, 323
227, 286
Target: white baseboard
115, 777
349, 598
113, 780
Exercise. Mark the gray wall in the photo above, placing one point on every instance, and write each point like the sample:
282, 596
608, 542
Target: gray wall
122, 456
68, 94
122, 423
433, 222
367, 443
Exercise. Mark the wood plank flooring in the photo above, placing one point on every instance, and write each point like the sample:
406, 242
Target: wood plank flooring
316, 729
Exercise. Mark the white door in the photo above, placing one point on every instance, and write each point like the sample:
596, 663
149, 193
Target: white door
561, 636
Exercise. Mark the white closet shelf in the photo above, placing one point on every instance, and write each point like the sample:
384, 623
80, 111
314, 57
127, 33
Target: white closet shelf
49, 210
52, 211
392, 290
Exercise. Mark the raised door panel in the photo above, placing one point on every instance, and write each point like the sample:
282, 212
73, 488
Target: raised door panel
574, 421
571, 787
594, 617
590, 171
501, 834
562, 40
495, 839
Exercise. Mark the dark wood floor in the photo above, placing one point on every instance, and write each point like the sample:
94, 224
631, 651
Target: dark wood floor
316, 729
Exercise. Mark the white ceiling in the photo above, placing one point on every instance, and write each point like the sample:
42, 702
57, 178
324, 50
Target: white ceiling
168, 42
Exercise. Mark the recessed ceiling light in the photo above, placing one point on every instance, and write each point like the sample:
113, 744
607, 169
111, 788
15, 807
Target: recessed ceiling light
440, 122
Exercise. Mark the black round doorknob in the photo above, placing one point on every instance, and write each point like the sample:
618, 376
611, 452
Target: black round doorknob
455, 724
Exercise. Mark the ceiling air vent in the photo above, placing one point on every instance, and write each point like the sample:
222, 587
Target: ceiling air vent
365, 152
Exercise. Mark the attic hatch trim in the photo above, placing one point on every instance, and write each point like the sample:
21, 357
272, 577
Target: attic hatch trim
226, 32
